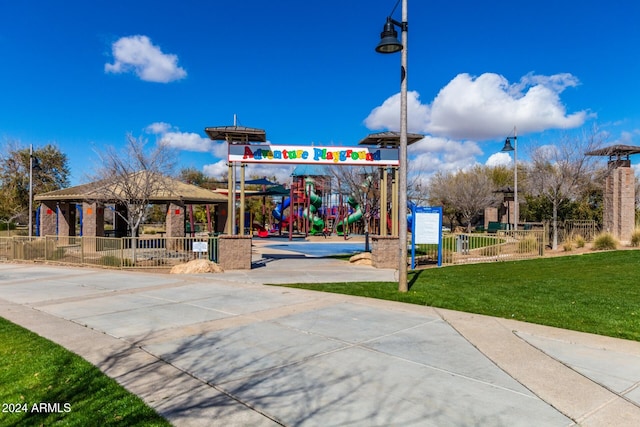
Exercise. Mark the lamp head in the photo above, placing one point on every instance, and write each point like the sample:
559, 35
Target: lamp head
389, 39
507, 145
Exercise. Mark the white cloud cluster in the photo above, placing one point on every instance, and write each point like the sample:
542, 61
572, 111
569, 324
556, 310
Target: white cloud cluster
471, 109
187, 141
432, 154
484, 107
137, 54
282, 173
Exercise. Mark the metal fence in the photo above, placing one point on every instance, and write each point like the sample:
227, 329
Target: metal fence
128, 252
463, 248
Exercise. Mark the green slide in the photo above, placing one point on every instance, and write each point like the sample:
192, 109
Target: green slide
355, 216
316, 223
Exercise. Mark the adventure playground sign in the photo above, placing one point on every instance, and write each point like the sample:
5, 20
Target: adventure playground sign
364, 156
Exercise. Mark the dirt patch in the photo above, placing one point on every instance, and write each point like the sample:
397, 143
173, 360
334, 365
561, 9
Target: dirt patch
196, 266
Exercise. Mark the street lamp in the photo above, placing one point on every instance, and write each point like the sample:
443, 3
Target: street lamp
390, 44
30, 190
508, 147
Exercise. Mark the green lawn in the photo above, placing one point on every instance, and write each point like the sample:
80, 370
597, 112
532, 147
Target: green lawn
65, 389
597, 292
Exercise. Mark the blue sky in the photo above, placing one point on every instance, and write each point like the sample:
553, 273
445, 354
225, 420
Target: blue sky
84, 74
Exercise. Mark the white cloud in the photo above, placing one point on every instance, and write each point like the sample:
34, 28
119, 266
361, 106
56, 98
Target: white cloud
387, 116
137, 54
282, 173
432, 154
216, 170
187, 141
484, 107
488, 106
499, 159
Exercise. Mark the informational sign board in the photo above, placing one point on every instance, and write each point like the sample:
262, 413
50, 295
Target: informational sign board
200, 247
426, 229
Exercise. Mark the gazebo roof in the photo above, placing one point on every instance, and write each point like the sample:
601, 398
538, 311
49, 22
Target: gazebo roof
173, 191
616, 150
236, 134
389, 139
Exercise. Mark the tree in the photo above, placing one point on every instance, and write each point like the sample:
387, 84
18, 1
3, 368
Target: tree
50, 172
360, 184
465, 192
131, 177
561, 172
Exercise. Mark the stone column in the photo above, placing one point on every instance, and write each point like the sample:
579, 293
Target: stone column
175, 226
48, 219
175, 220
384, 252
92, 220
619, 203
67, 219
490, 215
234, 252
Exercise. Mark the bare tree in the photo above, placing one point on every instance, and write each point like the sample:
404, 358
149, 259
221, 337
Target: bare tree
560, 172
132, 177
467, 193
360, 184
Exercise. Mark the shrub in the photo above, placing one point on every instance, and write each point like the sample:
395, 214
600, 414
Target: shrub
579, 241
605, 242
635, 238
114, 261
567, 246
529, 244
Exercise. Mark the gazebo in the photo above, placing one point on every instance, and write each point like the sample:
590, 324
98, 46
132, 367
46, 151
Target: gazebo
59, 210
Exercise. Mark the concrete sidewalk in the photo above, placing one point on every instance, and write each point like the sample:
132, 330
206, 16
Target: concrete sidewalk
227, 350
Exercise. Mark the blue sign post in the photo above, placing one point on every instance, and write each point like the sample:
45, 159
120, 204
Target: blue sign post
426, 228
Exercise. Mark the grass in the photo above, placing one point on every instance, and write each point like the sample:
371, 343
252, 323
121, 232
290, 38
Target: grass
596, 293
34, 370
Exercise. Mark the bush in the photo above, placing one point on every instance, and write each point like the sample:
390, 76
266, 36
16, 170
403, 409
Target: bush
4, 225
567, 246
526, 245
605, 242
579, 241
635, 238
114, 261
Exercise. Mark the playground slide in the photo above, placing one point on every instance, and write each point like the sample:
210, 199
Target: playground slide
280, 207
316, 223
355, 216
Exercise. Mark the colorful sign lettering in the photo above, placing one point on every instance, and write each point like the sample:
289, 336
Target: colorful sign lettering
366, 156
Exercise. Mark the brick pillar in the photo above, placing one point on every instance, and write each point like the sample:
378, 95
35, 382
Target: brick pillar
175, 220
48, 218
490, 215
67, 219
92, 220
234, 252
384, 252
619, 203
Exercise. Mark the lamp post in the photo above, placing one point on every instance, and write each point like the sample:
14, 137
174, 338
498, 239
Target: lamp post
390, 44
30, 190
508, 147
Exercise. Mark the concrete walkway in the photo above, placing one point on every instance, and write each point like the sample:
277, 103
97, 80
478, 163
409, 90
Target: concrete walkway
226, 350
